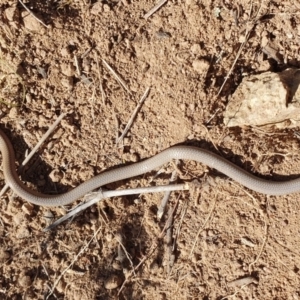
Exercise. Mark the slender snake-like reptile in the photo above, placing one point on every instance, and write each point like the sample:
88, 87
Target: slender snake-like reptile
177, 152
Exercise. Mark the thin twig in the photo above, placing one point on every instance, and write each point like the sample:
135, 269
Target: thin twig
136, 110
117, 127
122, 250
98, 196
100, 82
77, 66
155, 8
213, 115
166, 197
122, 83
171, 256
71, 264
180, 224
265, 224
40, 142
152, 248
201, 228
44, 137
240, 49
40, 21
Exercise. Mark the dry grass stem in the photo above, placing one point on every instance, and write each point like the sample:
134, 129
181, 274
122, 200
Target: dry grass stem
72, 263
152, 248
40, 21
155, 8
44, 137
100, 82
242, 282
121, 82
122, 252
100, 195
33, 151
213, 115
170, 246
77, 66
202, 227
167, 194
12, 69
256, 206
246, 36
117, 127
136, 110
180, 223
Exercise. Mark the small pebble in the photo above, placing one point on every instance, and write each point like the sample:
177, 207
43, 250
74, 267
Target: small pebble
134, 157
200, 66
24, 281
65, 52
97, 8
242, 281
27, 208
22, 233
67, 82
13, 113
56, 175
106, 8
113, 282
30, 22
117, 265
67, 69
196, 49
18, 218
4, 255
109, 237
10, 13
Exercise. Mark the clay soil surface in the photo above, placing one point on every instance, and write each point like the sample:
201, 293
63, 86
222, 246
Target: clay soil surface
221, 232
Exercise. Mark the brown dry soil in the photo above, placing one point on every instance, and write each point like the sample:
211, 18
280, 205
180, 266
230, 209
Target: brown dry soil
183, 53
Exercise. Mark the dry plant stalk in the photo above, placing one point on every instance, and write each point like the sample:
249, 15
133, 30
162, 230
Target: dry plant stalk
100, 195
152, 248
136, 110
40, 142
166, 197
121, 82
247, 33
40, 21
72, 263
155, 8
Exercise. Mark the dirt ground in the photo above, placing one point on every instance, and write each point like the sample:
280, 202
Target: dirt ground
222, 232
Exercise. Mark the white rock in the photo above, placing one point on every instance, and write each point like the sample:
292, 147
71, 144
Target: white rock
266, 99
200, 66
30, 22
113, 282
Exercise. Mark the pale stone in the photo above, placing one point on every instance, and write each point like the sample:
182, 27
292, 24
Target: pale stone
27, 208
30, 22
97, 8
200, 66
11, 13
113, 282
266, 99
67, 69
